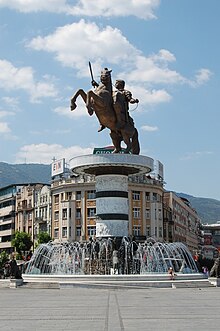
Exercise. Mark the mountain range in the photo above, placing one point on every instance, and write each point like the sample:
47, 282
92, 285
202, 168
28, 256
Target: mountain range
207, 209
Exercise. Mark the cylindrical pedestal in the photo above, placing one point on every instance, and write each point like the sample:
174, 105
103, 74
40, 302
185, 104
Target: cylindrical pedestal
111, 206
111, 171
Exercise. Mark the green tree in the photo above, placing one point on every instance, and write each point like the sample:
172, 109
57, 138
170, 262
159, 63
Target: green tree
3, 259
43, 238
22, 242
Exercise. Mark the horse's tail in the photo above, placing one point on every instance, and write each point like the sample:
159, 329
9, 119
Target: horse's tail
135, 143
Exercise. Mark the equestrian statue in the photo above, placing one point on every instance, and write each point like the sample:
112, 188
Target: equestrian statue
112, 110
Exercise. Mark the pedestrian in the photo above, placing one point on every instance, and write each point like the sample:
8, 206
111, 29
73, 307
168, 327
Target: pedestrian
171, 273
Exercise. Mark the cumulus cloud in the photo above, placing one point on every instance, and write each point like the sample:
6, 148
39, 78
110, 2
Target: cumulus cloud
140, 8
109, 47
147, 96
149, 128
70, 45
4, 128
44, 153
201, 77
143, 9
12, 78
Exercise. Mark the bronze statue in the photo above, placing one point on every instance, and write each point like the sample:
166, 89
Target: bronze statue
111, 110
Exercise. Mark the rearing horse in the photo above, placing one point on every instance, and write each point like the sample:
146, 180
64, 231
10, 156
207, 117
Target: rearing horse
101, 102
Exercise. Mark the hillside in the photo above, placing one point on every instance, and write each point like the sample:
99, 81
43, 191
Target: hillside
24, 173
207, 209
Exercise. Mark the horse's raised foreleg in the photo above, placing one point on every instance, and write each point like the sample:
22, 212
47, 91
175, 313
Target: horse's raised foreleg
75, 96
89, 107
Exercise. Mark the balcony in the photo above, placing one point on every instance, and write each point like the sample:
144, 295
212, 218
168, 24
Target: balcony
40, 220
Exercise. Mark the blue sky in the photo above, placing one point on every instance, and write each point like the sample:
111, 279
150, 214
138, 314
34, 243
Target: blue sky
167, 52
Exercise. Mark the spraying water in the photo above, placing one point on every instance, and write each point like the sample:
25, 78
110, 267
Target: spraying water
110, 256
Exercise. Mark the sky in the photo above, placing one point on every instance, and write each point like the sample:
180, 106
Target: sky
168, 53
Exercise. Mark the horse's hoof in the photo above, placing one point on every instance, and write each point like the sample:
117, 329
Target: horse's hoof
73, 106
115, 151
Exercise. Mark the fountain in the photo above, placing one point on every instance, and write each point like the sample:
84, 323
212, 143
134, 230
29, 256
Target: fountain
112, 257
103, 257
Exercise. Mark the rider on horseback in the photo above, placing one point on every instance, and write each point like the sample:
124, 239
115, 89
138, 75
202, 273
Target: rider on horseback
121, 100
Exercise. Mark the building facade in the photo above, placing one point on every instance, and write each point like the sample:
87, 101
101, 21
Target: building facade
181, 222
67, 211
7, 216
33, 209
74, 208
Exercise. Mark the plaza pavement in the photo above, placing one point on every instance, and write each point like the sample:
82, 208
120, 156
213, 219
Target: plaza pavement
84, 309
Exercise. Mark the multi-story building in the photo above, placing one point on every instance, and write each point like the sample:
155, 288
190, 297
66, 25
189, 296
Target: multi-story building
42, 207
67, 211
27, 219
7, 216
74, 208
181, 222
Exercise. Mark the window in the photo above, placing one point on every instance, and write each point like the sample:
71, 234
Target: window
136, 195
91, 231
56, 215
154, 196
78, 195
78, 213
91, 194
91, 212
147, 196
64, 215
147, 213
68, 195
78, 231
136, 212
159, 214
148, 231
56, 198
64, 231
160, 232
136, 230
56, 233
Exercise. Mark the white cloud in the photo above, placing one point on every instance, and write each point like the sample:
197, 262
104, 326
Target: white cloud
154, 69
149, 97
4, 128
44, 153
201, 77
108, 47
140, 8
149, 128
11, 102
195, 155
12, 78
78, 112
71, 43
27, 6
4, 113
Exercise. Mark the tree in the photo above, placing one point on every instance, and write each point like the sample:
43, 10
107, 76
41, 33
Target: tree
22, 242
3, 259
43, 237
